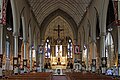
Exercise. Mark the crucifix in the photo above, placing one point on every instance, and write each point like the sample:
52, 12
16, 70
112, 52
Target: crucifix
58, 39
58, 31
58, 42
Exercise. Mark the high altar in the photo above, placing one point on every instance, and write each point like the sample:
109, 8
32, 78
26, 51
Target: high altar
58, 58
60, 62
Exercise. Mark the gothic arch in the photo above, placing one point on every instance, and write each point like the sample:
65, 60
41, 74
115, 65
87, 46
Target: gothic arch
16, 18
54, 14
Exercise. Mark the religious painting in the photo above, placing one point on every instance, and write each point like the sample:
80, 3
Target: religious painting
76, 49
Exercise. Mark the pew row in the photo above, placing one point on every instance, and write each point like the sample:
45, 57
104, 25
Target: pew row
32, 76
87, 76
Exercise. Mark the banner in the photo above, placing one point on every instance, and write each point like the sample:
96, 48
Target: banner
115, 5
3, 4
1, 1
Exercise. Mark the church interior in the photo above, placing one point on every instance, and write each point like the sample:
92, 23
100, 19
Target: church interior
59, 39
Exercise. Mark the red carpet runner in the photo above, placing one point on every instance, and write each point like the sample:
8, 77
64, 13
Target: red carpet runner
59, 77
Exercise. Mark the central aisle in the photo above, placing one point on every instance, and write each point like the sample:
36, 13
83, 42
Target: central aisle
59, 77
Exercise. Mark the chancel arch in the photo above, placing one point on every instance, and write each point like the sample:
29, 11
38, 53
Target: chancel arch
53, 15
59, 42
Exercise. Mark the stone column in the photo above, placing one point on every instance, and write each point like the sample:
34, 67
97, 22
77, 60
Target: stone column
42, 54
74, 43
119, 39
15, 58
119, 50
109, 55
1, 48
25, 57
40, 57
102, 52
30, 52
93, 57
87, 47
40, 64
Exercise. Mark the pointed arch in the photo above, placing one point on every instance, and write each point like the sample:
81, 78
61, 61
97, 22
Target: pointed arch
54, 14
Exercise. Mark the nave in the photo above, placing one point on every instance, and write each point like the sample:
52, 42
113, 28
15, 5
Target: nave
42, 36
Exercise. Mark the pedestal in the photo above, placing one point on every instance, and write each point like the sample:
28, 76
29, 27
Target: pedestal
15, 65
1, 57
104, 65
118, 64
93, 65
25, 65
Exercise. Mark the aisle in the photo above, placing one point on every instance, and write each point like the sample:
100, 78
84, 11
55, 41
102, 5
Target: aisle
59, 77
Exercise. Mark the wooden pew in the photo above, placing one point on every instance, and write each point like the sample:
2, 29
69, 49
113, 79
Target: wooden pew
87, 76
32, 76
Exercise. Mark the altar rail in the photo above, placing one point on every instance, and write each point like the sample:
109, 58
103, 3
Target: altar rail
32, 76
87, 76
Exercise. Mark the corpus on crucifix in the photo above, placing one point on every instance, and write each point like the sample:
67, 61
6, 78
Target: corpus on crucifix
59, 50
58, 30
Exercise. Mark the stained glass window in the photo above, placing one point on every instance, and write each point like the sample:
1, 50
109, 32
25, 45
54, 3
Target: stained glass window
47, 49
69, 47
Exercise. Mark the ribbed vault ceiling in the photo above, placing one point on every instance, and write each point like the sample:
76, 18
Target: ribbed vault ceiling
75, 8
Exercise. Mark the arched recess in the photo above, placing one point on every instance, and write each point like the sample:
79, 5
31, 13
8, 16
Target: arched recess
20, 42
111, 32
21, 53
97, 39
110, 20
16, 18
111, 59
23, 36
89, 42
20, 35
30, 33
9, 32
54, 14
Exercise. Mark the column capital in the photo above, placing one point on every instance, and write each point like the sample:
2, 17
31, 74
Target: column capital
102, 34
25, 41
42, 42
15, 34
1, 25
118, 26
93, 41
